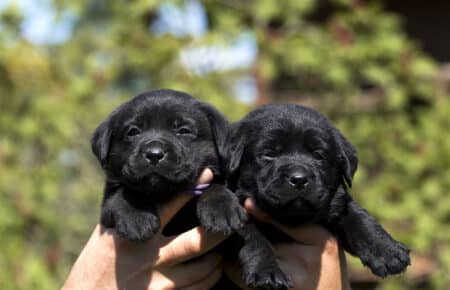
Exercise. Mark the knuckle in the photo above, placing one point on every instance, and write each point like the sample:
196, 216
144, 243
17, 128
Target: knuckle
161, 284
331, 247
167, 255
192, 247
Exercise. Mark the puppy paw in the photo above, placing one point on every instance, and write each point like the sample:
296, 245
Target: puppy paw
386, 258
137, 228
271, 277
221, 213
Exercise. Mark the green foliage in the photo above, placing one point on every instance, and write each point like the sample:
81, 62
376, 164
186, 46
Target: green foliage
355, 64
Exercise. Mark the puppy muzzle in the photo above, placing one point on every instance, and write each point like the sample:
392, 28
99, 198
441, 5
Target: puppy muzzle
154, 158
293, 182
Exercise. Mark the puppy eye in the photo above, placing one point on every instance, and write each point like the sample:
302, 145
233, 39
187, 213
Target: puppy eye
133, 131
318, 154
184, 131
269, 155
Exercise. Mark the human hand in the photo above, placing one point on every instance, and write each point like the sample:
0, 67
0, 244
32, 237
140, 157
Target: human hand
314, 261
110, 262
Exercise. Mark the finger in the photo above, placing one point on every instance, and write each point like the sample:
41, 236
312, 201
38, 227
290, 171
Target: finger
299, 254
186, 274
306, 234
233, 272
298, 272
255, 211
169, 210
313, 235
312, 267
208, 282
206, 176
186, 246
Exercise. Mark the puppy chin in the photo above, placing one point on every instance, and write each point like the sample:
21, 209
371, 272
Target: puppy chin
275, 193
293, 212
159, 178
284, 202
276, 200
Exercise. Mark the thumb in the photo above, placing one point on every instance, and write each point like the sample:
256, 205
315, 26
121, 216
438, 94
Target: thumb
187, 245
169, 210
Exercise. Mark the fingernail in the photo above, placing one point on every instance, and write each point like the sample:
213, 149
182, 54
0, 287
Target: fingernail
202, 186
250, 204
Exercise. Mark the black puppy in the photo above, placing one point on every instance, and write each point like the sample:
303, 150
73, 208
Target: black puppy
298, 167
156, 146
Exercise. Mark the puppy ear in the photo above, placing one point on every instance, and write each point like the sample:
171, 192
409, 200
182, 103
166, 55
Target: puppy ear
219, 128
234, 148
347, 158
101, 140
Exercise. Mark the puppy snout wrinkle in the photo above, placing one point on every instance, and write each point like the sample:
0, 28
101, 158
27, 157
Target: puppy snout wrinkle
154, 152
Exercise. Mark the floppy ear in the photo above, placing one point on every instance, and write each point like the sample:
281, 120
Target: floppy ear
347, 159
101, 140
234, 148
219, 128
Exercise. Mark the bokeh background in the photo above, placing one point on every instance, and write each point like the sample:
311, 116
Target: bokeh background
376, 68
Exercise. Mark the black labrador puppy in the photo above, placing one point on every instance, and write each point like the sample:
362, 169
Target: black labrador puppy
298, 168
154, 147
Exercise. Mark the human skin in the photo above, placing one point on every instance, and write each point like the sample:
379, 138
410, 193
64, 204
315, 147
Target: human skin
110, 262
313, 262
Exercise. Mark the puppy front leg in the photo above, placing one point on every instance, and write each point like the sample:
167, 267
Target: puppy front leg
364, 237
260, 269
218, 210
131, 223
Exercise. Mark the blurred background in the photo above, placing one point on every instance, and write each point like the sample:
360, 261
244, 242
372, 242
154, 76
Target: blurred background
379, 69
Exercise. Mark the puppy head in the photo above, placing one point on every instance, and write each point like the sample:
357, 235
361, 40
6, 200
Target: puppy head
291, 159
160, 141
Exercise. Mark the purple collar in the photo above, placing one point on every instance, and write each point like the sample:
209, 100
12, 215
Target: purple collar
198, 190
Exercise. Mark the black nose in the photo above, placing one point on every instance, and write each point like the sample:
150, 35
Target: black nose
299, 179
154, 153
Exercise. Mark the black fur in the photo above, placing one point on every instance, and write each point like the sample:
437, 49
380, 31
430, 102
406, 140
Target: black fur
298, 167
154, 147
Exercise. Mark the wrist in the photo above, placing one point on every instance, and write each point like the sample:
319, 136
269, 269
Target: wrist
95, 266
